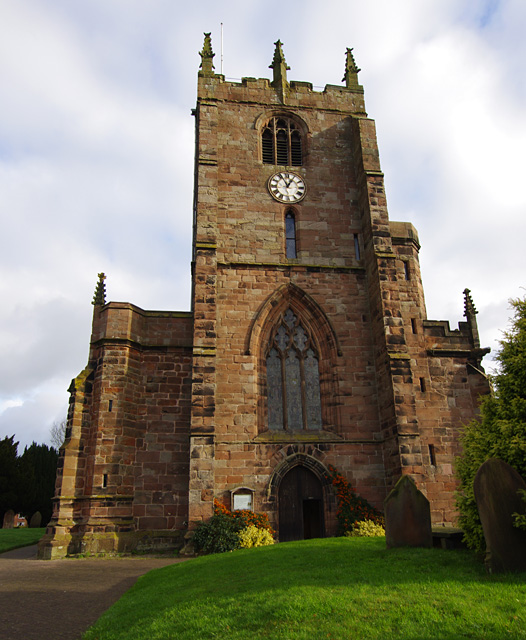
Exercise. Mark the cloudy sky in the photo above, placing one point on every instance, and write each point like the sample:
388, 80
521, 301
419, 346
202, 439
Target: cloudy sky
96, 155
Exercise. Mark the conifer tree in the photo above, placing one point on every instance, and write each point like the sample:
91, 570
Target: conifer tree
500, 431
37, 471
8, 476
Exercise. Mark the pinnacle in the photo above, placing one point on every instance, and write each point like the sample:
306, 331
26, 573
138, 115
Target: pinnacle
99, 298
351, 70
206, 67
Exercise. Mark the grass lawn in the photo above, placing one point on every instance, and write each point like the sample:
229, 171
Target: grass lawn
19, 537
336, 588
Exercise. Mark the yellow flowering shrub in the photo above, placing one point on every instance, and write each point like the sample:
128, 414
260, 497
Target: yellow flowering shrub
251, 536
365, 529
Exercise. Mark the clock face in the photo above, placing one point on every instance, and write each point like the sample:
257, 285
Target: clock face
287, 187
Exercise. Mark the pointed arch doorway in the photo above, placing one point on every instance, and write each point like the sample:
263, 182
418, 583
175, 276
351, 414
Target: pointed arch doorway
300, 499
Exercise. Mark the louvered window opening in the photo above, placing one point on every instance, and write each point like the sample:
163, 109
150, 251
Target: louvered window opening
281, 143
293, 378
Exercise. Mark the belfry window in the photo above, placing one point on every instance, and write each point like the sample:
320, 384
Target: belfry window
281, 142
293, 378
290, 234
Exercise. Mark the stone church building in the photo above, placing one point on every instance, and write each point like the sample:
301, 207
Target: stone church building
307, 343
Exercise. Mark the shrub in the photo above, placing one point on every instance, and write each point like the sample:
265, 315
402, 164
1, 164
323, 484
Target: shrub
251, 536
219, 534
365, 529
351, 507
259, 520
223, 531
500, 431
519, 519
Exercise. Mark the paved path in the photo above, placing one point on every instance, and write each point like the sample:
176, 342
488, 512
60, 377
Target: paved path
60, 599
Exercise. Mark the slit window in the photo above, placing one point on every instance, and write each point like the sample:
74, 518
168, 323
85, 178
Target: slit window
413, 325
281, 143
105, 481
432, 455
422, 385
356, 247
407, 273
290, 235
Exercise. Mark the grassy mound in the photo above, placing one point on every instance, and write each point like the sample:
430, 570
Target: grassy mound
337, 588
19, 537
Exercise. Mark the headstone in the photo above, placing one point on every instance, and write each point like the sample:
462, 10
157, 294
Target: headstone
496, 489
36, 520
407, 516
9, 519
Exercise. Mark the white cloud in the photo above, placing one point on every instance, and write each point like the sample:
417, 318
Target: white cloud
96, 155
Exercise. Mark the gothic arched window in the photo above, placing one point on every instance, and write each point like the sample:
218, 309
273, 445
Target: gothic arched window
281, 142
293, 377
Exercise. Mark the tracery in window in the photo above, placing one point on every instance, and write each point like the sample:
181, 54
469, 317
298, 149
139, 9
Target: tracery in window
293, 378
281, 142
290, 234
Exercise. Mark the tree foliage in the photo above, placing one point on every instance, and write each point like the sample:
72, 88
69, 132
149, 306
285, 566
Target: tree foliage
27, 482
8, 476
38, 470
500, 431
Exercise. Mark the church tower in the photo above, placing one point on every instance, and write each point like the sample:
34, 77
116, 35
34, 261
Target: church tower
311, 344
307, 345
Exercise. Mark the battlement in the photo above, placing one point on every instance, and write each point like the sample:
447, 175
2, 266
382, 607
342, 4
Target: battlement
279, 91
300, 95
123, 321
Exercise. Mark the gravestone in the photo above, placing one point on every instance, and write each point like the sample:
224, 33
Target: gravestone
407, 516
496, 489
36, 520
9, 519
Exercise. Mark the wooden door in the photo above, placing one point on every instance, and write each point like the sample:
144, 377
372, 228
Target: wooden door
300, 506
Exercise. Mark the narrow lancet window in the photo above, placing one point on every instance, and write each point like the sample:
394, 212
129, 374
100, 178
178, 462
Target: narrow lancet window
290, 235
357, 247
432, 455
293, 378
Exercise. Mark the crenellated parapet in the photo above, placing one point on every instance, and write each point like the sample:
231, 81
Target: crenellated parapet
463, 342
279, 90
127, 323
